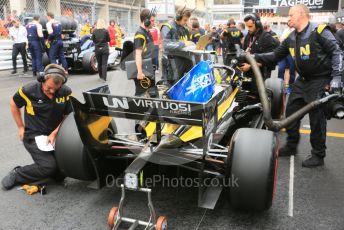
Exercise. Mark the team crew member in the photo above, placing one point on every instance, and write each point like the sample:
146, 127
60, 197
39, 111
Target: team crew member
175, 37
154, 31
46, 103
144, 48
267, 28
85, 29
286, 67
36, 44
257, 41
18, 34
196, 32
54, 29
100, 38
318, 61
215, 39
112, 33
231, 36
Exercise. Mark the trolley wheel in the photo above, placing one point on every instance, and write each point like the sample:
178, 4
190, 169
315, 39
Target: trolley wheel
112, 217
161, 223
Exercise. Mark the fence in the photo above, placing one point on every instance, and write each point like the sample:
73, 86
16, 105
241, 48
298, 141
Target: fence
125, 13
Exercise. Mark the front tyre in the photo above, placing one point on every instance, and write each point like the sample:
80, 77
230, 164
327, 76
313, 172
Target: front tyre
253, 161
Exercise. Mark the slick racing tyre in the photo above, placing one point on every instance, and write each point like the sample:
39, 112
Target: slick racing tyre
68, 24
254, 167
89, 62
72, 156
275, 85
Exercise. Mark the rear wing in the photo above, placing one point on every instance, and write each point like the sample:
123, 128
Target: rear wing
99, 102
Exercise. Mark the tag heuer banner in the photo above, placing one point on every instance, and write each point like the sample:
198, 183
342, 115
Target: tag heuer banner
313, 5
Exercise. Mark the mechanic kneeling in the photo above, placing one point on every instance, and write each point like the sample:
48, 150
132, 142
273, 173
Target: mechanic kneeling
46, 103
318, 62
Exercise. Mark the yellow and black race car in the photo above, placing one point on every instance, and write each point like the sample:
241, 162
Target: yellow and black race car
233, 134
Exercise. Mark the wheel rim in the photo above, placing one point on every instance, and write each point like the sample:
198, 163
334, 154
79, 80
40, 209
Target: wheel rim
94, 63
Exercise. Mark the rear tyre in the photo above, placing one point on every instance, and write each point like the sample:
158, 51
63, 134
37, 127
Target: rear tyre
89, 62
71, 155
254, 168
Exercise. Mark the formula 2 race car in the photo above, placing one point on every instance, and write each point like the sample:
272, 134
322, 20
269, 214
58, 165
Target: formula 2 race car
86, 57
79, 53
231, 134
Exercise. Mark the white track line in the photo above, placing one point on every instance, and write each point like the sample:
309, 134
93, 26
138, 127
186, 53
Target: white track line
291, 188
199, 224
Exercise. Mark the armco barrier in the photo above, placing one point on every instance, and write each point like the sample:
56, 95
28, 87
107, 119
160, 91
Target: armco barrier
6, 55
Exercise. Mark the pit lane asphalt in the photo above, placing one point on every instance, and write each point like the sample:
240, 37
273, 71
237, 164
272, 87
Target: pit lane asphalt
318, 195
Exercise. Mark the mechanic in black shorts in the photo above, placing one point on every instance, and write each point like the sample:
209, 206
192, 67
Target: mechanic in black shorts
46, 103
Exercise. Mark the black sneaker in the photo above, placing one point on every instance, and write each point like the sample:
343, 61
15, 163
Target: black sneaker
9, 181
14, 72
313, 161
34, 74
286, 151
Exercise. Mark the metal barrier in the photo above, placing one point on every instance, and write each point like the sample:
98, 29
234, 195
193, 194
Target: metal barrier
6, 55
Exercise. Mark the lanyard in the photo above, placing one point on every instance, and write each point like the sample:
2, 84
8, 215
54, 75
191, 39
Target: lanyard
250, 44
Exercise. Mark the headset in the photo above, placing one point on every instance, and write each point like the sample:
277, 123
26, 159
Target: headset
179, 16
147, 22
255, 18
42, 76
